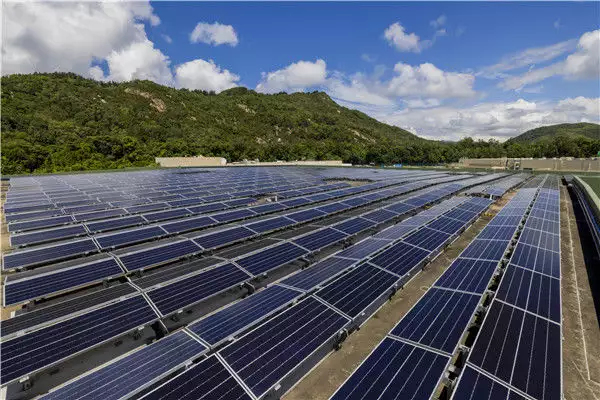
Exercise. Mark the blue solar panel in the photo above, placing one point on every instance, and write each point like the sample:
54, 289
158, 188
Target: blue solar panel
17, 291
438, 319
223, 237
44, 347
159, 255
32, 215
268, 208
427, 239
537, 259
267, 354
243, 315
207, 380
207, 208
193, 289
116, 223
133, 373
383, 375
306, 215
39, 223
530, 357
114, 212
233, 215
497, 232
536, 293
48, 235
167, 214
269, 258
47, 254
446, 225
354, 225
333, 207
146, 208
188, 224
468, 275
380, 215
474, 385
295, 202
486, 249
396, 231
270, 224
319, 273
401, 258
355, 201
355, 291
319, 239
364, 248
122, 238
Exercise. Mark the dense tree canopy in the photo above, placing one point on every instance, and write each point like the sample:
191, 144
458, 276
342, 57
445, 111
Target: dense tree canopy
63, 122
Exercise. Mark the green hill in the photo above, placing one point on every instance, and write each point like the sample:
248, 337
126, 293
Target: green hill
584, 129
63, 122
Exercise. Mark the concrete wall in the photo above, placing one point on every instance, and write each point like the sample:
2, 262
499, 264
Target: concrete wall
173, 162
536, 164
328, 163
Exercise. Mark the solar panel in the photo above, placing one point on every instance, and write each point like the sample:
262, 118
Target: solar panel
185, 292
47, 254
474, 385
446, 225
188, 224
167, 214
116, 223
306, 215
159, 255
537, 259
268, 208
468, 275
47, 235
32, 215
333, 207
122, 238
319, 273
233, 215
427, 239
42, 316
39, 223
146, 207
497, 232
438, 319
354, 225
270, 224
364, 248
243, 315
295, 202
33, 287
239, 202
320, 239
40, 349
133, 373
269, 258
383, 375
536, 293
401, 258
207, 208
207, 380
530, 356
319, 197
353, 292
223, 237
355, 201
486, 249
114, 212
268, 353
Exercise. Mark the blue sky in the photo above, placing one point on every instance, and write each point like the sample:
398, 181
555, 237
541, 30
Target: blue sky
440, 69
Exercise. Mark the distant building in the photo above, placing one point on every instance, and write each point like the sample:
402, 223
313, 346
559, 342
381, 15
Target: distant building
199, 161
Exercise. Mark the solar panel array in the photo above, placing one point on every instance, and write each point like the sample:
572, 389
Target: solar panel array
311, 310
415, 356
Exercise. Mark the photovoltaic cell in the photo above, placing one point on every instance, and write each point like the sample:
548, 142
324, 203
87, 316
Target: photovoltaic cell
116, 223
319, 273
364, 248
159, 255
47, 254
267, 354
242, 315
270, 258
223, 237
427, 239
270, 224
319, 239
306, 215
474, 385
537, 259
17, 291
383, 374
486, 249
233, 215
48, 235
122, 238
401, 258
354, 291
438, 319
468, 275
207, 380
188, 224
131, 374
39, 223
40, 349
380, 215
193, 289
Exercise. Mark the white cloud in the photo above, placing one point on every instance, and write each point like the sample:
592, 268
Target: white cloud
526, 58
439, 21
368, 58
357, 90
140, 60
584, 63
499, 120
167, 38
293, 78
204, 75
214, 34
426, 80
397, 37
56, 36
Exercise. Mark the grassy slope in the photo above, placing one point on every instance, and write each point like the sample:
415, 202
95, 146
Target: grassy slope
589, 130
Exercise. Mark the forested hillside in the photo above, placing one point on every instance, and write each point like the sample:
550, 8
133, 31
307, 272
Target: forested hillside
63, 122
585, 129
